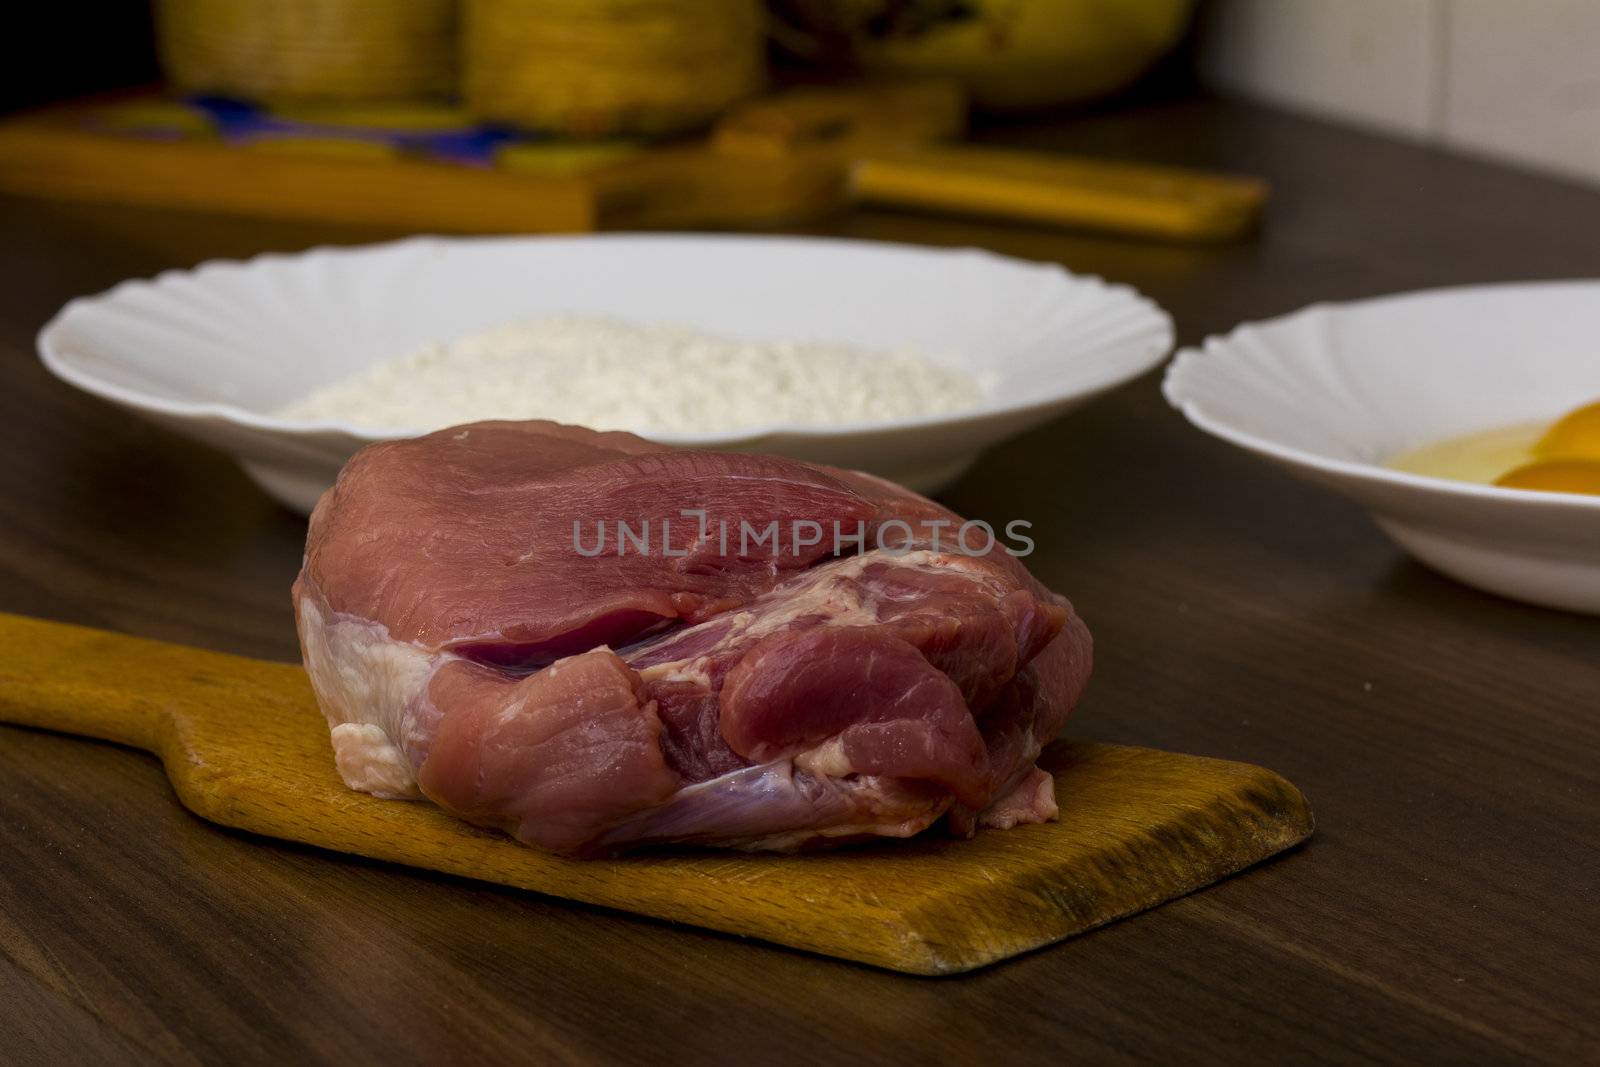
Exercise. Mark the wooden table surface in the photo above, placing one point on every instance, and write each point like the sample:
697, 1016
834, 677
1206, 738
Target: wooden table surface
1445, 910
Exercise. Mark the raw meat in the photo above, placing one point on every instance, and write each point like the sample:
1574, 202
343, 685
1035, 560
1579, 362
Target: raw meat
685, 684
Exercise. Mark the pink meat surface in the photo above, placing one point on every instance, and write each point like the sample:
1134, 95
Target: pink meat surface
472, 641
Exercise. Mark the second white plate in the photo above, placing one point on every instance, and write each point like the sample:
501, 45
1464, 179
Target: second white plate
1335, 391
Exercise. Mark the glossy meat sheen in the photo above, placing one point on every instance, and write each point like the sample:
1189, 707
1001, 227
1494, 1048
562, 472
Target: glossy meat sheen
774, 696
465, 538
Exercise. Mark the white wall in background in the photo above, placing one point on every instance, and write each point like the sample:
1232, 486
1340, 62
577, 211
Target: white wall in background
1370, 61
1516, 79
1523, 81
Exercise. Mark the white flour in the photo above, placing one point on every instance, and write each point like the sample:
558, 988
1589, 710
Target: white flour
612, 375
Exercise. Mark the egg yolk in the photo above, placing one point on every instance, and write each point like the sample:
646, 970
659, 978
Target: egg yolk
1574, 436
1556, 476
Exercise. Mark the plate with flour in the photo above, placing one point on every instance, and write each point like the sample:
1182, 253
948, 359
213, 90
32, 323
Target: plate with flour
903, 361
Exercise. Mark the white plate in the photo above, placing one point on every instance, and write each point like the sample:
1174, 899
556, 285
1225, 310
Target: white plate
214, 351
1336, 390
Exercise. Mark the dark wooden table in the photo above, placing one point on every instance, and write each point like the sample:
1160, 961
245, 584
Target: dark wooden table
1445, 911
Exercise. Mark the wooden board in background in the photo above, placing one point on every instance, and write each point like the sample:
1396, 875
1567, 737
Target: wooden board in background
794, 155
244, 746
157, 152
51, 155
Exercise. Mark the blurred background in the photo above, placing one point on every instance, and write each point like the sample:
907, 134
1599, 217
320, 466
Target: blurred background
563, 115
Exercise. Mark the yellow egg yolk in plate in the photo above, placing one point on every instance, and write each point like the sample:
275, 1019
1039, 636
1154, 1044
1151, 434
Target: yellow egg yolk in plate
1555, 476
1560, 457
1575, 435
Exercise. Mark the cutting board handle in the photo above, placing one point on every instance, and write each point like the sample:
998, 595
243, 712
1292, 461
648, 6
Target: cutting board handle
90, 682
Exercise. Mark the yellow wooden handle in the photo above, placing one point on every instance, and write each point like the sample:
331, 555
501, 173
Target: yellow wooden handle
89, 682
1065, 190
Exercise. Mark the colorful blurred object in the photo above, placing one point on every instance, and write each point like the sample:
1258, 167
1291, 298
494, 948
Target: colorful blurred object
434, 132
430, 131
1013, 55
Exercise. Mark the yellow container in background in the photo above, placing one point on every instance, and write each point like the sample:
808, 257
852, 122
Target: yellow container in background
309, 50
593, 68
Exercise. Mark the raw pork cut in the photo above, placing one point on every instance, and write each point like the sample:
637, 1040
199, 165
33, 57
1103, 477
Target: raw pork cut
473, 639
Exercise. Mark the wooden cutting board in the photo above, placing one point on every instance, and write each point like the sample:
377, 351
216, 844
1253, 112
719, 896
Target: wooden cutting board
245, 746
